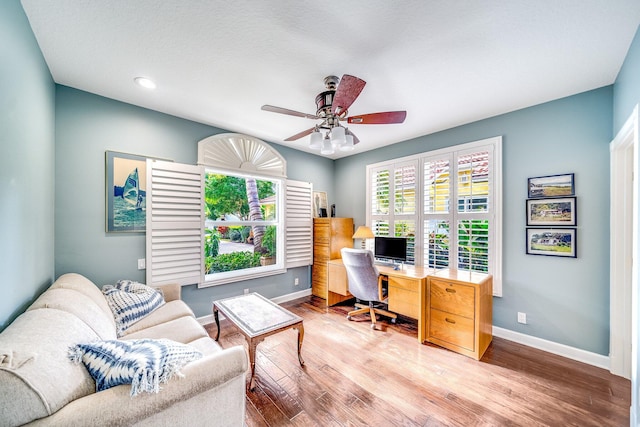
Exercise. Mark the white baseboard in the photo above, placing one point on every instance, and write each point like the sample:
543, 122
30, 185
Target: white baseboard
205, 320
583, 356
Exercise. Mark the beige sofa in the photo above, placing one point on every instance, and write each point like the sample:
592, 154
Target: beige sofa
39, 385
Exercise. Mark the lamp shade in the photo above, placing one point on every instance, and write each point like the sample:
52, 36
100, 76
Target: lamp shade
348, 145
338, 136
363, 232
315, 141
327, 148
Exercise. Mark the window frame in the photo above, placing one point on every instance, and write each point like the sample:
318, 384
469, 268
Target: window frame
494, 215
215, 279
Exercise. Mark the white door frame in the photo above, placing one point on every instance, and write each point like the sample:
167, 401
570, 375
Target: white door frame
622, 214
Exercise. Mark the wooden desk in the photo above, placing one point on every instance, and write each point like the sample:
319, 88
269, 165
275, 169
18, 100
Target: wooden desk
407, 291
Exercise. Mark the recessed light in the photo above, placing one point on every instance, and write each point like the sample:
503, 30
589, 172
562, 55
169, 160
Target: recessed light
145, 82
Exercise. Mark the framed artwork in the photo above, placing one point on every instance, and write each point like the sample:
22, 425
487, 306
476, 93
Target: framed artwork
552, 242
319, 204
551, 186
126, 196
558, 211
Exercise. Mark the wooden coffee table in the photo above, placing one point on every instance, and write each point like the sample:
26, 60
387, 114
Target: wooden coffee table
256, 318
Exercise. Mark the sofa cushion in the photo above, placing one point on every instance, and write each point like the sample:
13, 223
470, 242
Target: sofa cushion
142, 363
169, 311
183, 329
81, 306
85, 286
35, 370
131, 301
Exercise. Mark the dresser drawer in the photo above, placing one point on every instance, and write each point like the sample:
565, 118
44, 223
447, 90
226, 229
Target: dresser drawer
452, 298
452, 329
321, 234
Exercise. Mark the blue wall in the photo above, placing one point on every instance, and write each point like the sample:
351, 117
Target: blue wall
87, 125
566, 300
27, 134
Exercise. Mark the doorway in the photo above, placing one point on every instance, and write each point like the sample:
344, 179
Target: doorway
624, 235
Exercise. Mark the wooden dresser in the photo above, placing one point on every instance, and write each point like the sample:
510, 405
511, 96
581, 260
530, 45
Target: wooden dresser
329, 236
459, 311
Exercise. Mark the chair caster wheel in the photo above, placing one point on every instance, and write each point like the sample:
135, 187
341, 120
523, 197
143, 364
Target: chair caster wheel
373, 326
348, 317
393, 321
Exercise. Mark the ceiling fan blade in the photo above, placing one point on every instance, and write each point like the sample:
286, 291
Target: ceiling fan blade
348, 90
301, 134
281, 110
387, 117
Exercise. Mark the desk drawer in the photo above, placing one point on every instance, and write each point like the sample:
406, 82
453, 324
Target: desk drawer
404, 302
411, 285
452, 297
452, 329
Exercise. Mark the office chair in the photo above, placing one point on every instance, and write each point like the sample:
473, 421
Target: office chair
365, 284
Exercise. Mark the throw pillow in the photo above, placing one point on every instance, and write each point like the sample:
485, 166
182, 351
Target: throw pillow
131, 301
143, 363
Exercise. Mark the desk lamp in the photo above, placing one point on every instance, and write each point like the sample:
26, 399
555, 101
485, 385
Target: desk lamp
363, 232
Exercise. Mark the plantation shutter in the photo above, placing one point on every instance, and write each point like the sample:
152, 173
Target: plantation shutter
298, 224
175, 223
437, 210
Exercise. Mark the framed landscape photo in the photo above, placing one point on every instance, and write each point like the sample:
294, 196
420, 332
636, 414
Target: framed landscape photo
551, 186
552, 242
126, 196
558, 211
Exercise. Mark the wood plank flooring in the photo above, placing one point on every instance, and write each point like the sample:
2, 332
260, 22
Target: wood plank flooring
354, 376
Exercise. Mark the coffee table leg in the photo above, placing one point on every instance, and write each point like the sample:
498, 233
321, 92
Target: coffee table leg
252, 361
300, 329
215, 316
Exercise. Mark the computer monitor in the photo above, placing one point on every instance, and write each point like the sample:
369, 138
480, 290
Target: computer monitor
390, 248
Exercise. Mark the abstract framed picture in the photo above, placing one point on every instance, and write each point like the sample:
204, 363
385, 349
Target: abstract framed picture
552, 242
125, 192
551, 186
559, 211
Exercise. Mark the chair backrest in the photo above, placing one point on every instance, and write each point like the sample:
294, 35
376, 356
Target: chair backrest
361, 273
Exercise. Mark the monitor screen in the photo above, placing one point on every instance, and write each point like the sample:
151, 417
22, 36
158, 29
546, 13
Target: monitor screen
394, 248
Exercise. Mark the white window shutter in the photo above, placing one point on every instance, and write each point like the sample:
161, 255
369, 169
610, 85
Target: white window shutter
175, 223
298, 224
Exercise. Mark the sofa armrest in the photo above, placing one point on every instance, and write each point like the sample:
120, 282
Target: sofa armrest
115, 407
171, 291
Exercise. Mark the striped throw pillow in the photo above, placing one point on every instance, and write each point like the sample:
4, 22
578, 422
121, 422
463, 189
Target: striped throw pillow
131, 301
144, 363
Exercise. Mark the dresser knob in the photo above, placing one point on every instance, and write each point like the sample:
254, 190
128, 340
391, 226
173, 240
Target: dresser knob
451, 290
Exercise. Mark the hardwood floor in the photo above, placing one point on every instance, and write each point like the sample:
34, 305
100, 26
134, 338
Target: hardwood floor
354, 376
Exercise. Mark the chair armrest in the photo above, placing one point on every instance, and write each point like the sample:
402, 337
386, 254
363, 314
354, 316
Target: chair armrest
114, 406
171, 291
382, 291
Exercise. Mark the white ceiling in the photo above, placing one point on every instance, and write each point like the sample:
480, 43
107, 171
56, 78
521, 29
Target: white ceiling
446, 63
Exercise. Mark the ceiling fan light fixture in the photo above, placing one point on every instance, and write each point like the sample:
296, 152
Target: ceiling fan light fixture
348, 145
327, 147
315, 142
338, 136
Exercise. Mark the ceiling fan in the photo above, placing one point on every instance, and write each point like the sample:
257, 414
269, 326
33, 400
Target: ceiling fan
333, 108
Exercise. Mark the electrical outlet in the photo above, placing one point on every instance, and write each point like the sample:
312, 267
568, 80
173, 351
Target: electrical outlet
296, 281
246, 291
142, 264
522, 318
